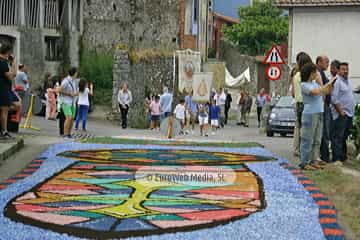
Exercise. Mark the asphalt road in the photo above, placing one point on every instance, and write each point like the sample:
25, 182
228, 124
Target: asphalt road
37, 142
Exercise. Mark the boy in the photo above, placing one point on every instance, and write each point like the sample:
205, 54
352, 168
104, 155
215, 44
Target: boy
203, 120
180, 113
155, 110
214, 116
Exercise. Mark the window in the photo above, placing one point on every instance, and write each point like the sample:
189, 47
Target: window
8, 12
32, 13
52, 13
53, 46
75, 4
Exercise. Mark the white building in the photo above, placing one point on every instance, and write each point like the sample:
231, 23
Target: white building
330, 27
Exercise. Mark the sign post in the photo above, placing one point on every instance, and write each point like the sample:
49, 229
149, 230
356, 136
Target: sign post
274, 59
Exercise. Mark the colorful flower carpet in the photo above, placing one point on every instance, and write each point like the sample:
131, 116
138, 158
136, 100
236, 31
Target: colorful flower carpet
104, 191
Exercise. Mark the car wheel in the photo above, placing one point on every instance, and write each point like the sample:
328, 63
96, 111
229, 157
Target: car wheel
283, 134
269, 133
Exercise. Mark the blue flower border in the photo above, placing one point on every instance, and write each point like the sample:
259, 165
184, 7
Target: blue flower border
292, 210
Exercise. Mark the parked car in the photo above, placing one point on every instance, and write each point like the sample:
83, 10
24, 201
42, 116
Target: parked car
281, 118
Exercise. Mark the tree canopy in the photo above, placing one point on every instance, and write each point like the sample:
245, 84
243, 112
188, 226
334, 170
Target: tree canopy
261, 25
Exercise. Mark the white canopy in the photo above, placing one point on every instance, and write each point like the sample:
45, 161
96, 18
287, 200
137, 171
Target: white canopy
230, 81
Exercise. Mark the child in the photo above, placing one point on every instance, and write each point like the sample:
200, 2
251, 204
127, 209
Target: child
155, 113
214, 116
83, 103
180, 113
203, 120
51, 103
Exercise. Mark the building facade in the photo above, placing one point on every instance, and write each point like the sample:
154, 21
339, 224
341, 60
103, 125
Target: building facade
329, 27
36, 30
49, 34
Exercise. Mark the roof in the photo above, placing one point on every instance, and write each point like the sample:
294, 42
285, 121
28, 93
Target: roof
226, 18
316, 3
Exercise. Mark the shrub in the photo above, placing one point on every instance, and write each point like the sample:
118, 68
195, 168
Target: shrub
356, 132
96, 67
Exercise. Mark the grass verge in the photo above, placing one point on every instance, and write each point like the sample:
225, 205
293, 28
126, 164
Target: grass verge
108, 140
344, 191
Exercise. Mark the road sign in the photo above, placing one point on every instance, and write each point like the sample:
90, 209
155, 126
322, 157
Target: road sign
274, 56
273, 72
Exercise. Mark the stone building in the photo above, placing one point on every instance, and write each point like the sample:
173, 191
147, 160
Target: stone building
330, 27
40, 31
48, 35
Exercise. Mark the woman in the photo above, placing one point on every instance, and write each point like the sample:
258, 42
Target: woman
312, 116
124, 100
260, 103
85, 91
301, 60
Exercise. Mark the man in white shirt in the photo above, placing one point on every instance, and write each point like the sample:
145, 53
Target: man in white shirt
68, 93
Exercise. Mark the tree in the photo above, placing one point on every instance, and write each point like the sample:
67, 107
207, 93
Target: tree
261, 25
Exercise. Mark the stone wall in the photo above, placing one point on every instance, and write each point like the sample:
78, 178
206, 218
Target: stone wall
32, 55
139, 23
148, 76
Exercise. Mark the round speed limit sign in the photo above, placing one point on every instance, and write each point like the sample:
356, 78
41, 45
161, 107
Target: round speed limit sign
273, 72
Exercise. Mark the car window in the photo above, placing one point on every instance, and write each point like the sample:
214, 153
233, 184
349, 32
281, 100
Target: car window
285, 102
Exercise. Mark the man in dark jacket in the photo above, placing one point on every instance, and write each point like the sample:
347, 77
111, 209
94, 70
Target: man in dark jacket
227, 105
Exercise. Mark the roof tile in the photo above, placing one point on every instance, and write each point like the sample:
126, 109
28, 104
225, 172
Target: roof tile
316, 3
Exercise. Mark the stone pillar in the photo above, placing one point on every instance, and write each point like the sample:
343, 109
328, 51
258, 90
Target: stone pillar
203, 28
121, 73
41, 13
21, 13
182, 23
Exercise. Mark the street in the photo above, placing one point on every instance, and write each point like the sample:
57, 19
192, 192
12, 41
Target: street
37, 142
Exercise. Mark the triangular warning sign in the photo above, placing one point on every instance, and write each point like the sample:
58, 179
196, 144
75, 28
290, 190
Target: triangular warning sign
274, 56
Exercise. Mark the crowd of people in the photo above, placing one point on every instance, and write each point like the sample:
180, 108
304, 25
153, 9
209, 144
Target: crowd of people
325, 108
324, 105
67, 97
188, 112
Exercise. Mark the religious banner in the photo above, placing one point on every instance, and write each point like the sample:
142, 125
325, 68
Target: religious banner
202, 85
189, 63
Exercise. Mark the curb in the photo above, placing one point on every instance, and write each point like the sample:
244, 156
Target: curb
15, 147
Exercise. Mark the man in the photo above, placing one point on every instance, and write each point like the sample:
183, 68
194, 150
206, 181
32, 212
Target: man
246, 109
69, 92
228, 101
334, 68
192, 109
322, 63
220, 99
7, 75
343, 109
22, 80
166, 103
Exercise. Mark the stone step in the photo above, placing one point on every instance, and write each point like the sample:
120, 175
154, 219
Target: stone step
8, 148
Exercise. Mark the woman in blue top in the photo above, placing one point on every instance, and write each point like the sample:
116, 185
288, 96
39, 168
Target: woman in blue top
312, 117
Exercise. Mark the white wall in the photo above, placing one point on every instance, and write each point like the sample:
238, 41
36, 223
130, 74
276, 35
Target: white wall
334, 32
